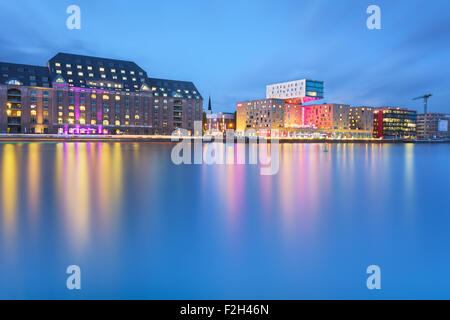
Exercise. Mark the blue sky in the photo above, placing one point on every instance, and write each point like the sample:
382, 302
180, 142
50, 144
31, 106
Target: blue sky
233, 49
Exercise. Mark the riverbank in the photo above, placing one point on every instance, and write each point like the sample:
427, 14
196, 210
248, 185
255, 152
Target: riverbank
147, 138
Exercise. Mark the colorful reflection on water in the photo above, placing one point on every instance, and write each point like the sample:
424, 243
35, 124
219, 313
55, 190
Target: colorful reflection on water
141, 227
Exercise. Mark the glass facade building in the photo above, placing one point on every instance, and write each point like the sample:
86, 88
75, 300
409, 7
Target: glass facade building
394, 123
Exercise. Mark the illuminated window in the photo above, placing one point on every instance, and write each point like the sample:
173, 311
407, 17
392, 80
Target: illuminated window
105, 97
93, 121
68, 66
82, 108
58, 71
91, 75
60, 120
136, 117
69, 73
117, 123
106, 122
103, 76
82, 121
79, 67
80, 74
33, 112
113, 70
102, 69
117, 98
71, 114
93, 96
60, 114
89, 68
57, 64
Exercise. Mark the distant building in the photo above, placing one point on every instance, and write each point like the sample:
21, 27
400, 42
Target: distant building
329, 117
394, 123
361, 119
266, 115
77, 94
437, 126
292, 119
220, 121
303, 90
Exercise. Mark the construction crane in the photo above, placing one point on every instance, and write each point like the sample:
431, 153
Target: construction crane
425, 102
425, 111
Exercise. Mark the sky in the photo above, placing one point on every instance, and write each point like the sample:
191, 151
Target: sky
232, 49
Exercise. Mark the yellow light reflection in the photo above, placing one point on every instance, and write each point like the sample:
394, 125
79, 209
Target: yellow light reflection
34, 178
73, 186
9, 189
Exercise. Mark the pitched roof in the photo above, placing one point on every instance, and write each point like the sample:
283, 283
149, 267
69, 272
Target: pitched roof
22, 74
174, 88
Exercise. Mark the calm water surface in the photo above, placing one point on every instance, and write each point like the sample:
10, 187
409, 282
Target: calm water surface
142, 227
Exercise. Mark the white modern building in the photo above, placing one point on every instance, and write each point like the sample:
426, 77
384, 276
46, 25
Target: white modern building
305, 89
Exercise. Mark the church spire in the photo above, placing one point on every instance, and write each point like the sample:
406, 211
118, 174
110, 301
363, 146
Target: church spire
209, 105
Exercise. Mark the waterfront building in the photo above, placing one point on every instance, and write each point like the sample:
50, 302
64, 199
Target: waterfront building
220, 121
282, 108
394, 123
361, 119
77, 94
264, 115
328, 117
434, 126
291, 119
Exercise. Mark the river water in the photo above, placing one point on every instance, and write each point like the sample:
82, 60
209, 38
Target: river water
139, 226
